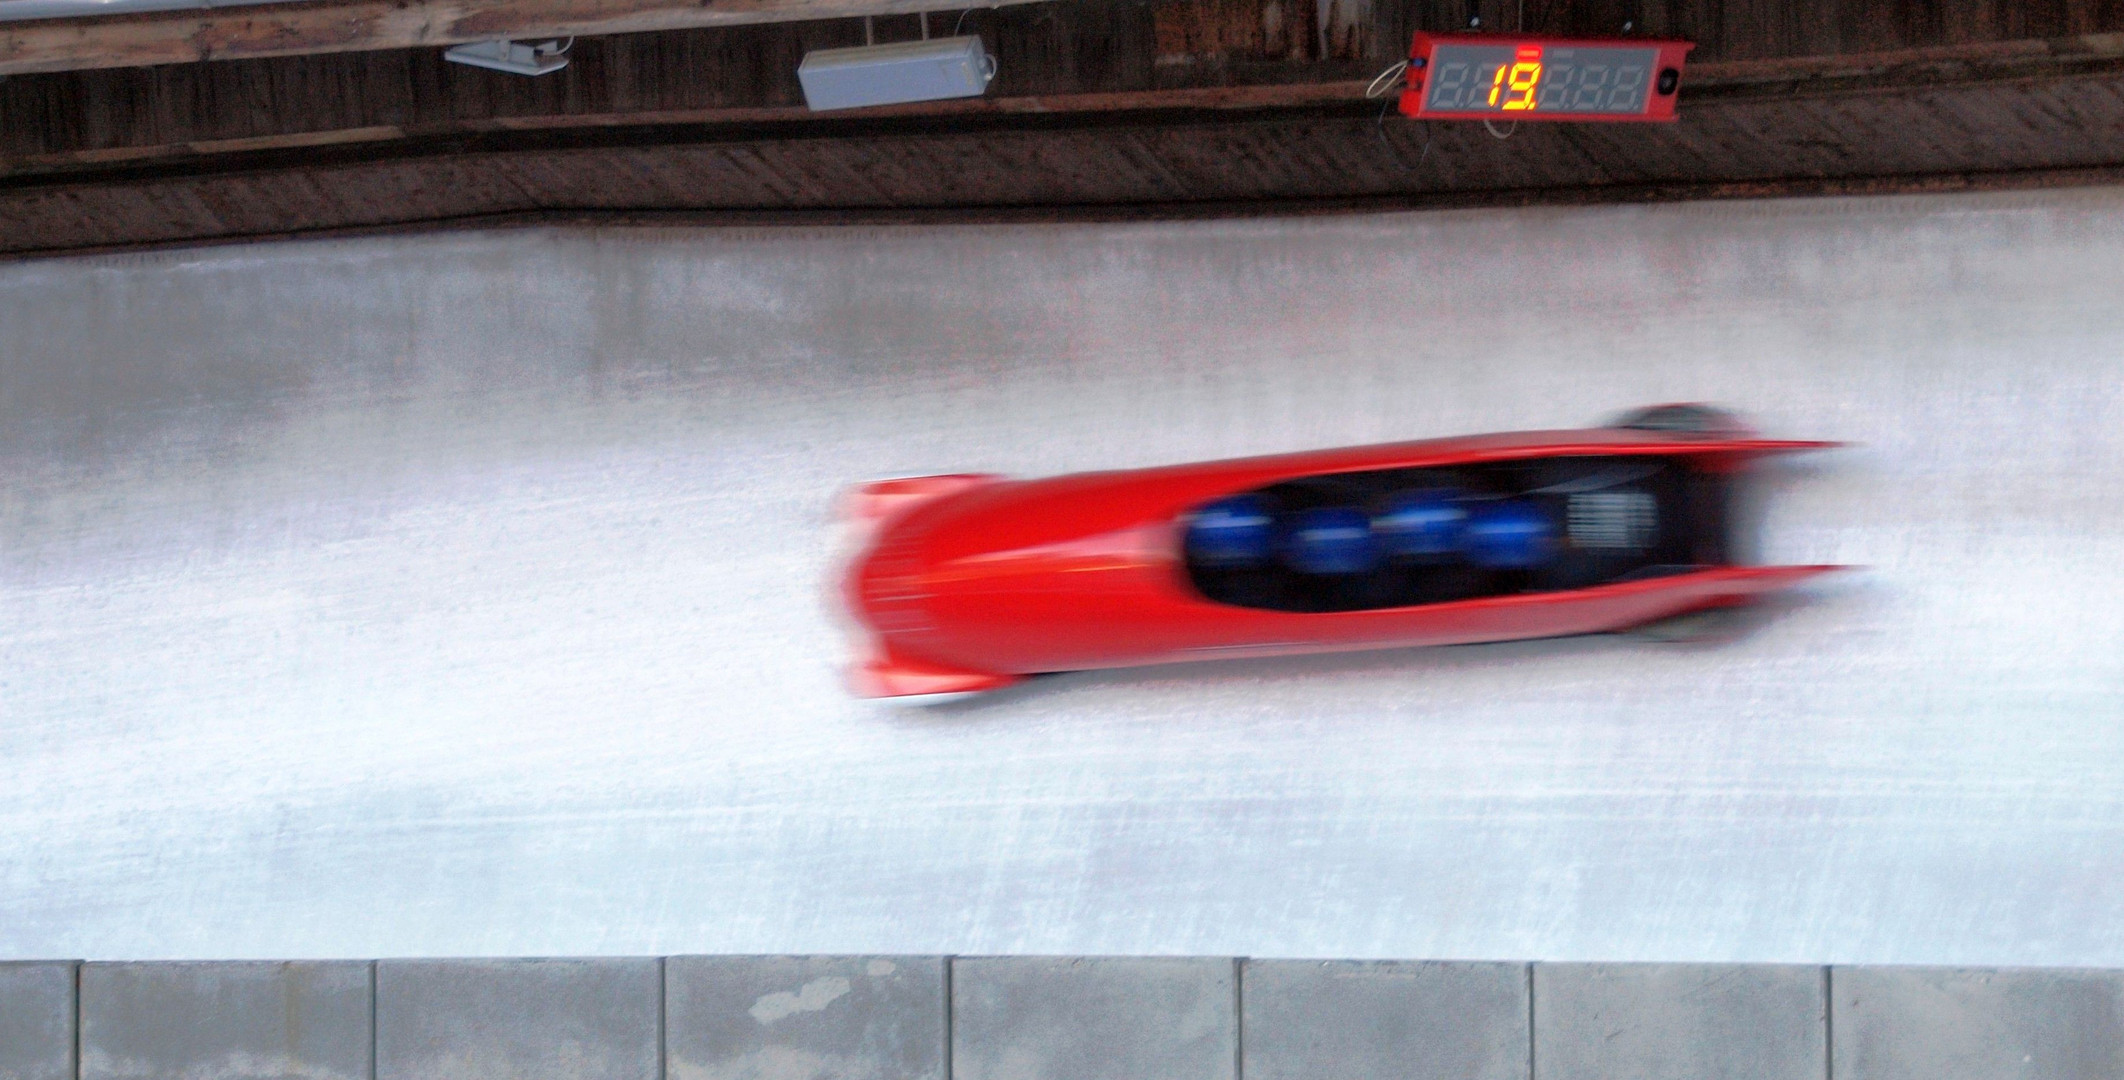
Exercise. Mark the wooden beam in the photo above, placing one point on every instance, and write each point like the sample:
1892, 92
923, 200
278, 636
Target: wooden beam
322, 26
1727, 80
1752, 138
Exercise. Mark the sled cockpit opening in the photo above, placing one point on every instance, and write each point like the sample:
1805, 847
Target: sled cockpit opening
1400, 537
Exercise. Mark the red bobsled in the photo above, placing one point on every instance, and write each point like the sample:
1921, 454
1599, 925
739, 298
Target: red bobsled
970, 583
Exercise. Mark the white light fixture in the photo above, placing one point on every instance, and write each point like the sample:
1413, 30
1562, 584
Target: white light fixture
904, 71
515, 57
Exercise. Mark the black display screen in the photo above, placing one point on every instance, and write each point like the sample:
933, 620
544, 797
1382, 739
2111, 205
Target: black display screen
1520, 79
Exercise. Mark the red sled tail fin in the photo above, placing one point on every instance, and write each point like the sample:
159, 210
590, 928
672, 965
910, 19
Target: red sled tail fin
1733, 456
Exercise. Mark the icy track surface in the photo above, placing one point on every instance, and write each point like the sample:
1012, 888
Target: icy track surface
466, 595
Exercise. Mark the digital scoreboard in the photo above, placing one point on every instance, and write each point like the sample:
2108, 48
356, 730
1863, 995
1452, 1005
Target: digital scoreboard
1502, 77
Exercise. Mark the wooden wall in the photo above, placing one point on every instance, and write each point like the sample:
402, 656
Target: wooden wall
1072, 47
1101, 106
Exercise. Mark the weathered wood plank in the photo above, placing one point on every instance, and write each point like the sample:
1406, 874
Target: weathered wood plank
1325, 157
347, 135
327, 26
60, 121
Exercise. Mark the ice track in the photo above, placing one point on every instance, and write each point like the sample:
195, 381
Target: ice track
465, 594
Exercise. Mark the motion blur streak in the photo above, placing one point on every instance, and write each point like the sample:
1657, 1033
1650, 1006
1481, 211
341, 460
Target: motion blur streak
466, 594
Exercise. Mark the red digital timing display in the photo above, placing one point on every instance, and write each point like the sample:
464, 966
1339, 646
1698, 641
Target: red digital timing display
1500, 77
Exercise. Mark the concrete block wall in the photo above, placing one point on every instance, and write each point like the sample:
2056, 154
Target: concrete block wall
1049, 1018
37, 1021
205, 1020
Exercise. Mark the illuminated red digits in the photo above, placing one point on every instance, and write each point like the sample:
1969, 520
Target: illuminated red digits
1525, 76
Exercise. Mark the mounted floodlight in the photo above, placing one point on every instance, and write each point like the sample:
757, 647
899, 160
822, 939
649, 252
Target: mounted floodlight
932, 70
515, 57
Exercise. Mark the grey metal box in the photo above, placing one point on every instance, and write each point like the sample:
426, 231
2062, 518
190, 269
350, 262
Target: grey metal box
952, 67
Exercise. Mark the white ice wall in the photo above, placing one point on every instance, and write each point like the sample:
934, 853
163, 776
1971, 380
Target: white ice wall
464, 595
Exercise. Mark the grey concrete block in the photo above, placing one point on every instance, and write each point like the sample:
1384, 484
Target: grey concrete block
1055, 1018
225, 1021
1679, 1022
1977, 1024
518, 1019
804, 1018
1332, 1019
37, 1021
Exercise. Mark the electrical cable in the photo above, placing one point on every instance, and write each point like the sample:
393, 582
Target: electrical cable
959, 25
1382, 84
1421, 156
1385, 80
1380, 87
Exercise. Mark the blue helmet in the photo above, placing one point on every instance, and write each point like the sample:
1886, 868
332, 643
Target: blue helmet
1238, 531
1421, 524
1509, 535
1331, 540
